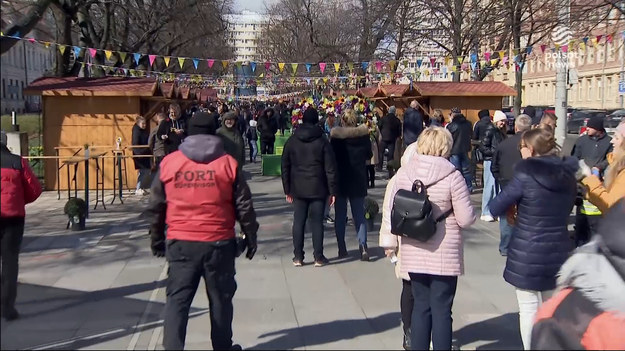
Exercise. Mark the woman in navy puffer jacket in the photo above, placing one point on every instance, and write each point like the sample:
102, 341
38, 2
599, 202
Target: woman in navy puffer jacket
544, 190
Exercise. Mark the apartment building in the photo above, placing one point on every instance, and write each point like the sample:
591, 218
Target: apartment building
21, 65
244, 32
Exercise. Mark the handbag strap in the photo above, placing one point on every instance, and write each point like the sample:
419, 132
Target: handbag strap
419, 183
444, 215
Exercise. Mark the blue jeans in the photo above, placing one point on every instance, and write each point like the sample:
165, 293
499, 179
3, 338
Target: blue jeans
506, 234
253, 150
489, 191
358, 214
143, 172
462, 163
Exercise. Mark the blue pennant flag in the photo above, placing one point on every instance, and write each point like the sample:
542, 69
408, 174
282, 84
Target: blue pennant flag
196, 62
473, 65
253, 66
419, 62
365, 65
308, 66
473, 57
308, 81
137, 57
77, 51
529, 50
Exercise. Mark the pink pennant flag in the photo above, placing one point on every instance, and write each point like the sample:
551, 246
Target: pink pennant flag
487, 56
432, 61
210, 62
92, 52
151, 58
505, 60
609, 38
565, 48
32, 40
599, 37
543, 47
322, 66
378, 65
267, 65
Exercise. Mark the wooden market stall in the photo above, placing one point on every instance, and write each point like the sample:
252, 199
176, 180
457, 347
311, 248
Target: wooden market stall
96, 112
470, 97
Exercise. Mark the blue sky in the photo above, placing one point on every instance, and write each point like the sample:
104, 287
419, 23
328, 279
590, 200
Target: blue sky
252, 5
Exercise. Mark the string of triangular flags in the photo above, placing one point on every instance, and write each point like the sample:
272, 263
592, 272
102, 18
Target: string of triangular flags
465, 63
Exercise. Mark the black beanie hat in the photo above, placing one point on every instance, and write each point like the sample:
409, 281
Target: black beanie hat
530, 111
483, 113
595, 122
311, 116
202, 123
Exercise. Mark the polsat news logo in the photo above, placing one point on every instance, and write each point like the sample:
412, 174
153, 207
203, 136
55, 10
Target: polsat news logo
561, 59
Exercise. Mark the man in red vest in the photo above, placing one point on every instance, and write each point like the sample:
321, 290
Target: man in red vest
199, 193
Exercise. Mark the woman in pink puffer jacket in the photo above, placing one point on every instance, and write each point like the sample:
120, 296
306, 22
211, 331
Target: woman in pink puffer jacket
434, 266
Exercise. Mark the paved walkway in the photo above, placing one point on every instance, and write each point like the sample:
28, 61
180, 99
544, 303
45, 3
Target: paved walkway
103, 289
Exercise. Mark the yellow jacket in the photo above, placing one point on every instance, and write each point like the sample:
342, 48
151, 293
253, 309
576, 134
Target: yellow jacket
601, 197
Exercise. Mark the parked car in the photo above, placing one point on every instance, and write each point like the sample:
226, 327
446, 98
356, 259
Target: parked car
613, 119
577, 123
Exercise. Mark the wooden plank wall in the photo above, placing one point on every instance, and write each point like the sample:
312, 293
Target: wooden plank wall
97, 121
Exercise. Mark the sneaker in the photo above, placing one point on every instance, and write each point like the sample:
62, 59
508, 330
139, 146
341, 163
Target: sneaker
329, 220
298, 262
321, 261
487, 218
139, 192
343, 254
364, 253
236, 347
10, 314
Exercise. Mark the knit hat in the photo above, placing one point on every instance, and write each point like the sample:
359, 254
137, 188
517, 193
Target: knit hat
483, 113
530, 111
202, 123
499, 116
596, 122
392, 109
455, 110
311, 116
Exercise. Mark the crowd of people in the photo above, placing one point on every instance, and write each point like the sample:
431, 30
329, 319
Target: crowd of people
199, 192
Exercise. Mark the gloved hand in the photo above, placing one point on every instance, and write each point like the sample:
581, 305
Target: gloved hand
583, 171
251, 246
158, 249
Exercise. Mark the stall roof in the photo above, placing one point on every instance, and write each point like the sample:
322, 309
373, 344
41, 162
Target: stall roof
116, 86
464, 89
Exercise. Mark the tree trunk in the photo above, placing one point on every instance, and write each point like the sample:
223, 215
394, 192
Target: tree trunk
516, 39
24, 25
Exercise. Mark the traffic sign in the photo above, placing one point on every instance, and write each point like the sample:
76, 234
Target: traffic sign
621, 87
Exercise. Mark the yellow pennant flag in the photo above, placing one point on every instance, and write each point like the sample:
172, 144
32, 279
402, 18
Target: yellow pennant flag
454, 68
262, 75
582, 46
460, 59
493, 62
572, 44
166, 58
294, 66
292, 80
224, 63
325, 80
350, 65
502, 53
122, 55
515, 51
239, 64
108, 54
337, 66
181, 62
392, 64
316, 80
281, 66
557, 47
47, 44
595, 42
62, 49
447, 60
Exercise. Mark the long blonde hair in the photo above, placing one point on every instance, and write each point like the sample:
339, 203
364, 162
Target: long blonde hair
618, 164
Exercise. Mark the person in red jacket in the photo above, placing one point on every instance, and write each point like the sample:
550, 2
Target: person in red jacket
588, 313
199, 193
20, 186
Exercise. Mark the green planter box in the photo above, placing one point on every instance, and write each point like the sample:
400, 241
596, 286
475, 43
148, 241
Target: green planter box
279, 150
281, 140
272, 165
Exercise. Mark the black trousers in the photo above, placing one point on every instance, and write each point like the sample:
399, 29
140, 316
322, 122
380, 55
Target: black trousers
431, 315
585, 227
311, 210
266, 147
11, 234
188, 262
371, 175
391, 151
406, 305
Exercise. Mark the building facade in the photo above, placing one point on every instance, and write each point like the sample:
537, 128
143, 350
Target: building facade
244, 32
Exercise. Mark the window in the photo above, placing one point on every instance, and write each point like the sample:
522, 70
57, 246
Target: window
608, 86
580, 89
573, 95
589, 91
599, 89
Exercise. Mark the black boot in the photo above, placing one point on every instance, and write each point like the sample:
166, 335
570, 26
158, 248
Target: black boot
407, 340
364, 253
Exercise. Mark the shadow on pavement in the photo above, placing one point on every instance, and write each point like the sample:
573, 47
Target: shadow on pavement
64, 319
324, 333
501, 331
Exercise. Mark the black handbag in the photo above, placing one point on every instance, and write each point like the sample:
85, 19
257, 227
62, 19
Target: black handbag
411, 215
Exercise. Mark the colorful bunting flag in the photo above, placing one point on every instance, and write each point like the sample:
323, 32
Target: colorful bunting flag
62, 49
419, 63
308, 67
137, 57
152, 58
122, 56
365, 65
350, 65
77, 51
267, 65
565, 48
337, 67
392, 64
294, 67
92, 52
196, 62
432, 61
281, 66
253, 66
224, 63
239, 64
378, 65
210, 63
181, 62
487, 56
322, 66
46, 44
108, 54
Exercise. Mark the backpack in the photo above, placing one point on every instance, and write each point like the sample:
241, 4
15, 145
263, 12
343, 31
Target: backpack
411, 215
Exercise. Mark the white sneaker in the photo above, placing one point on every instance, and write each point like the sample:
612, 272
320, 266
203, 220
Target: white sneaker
139, 192
487, 218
